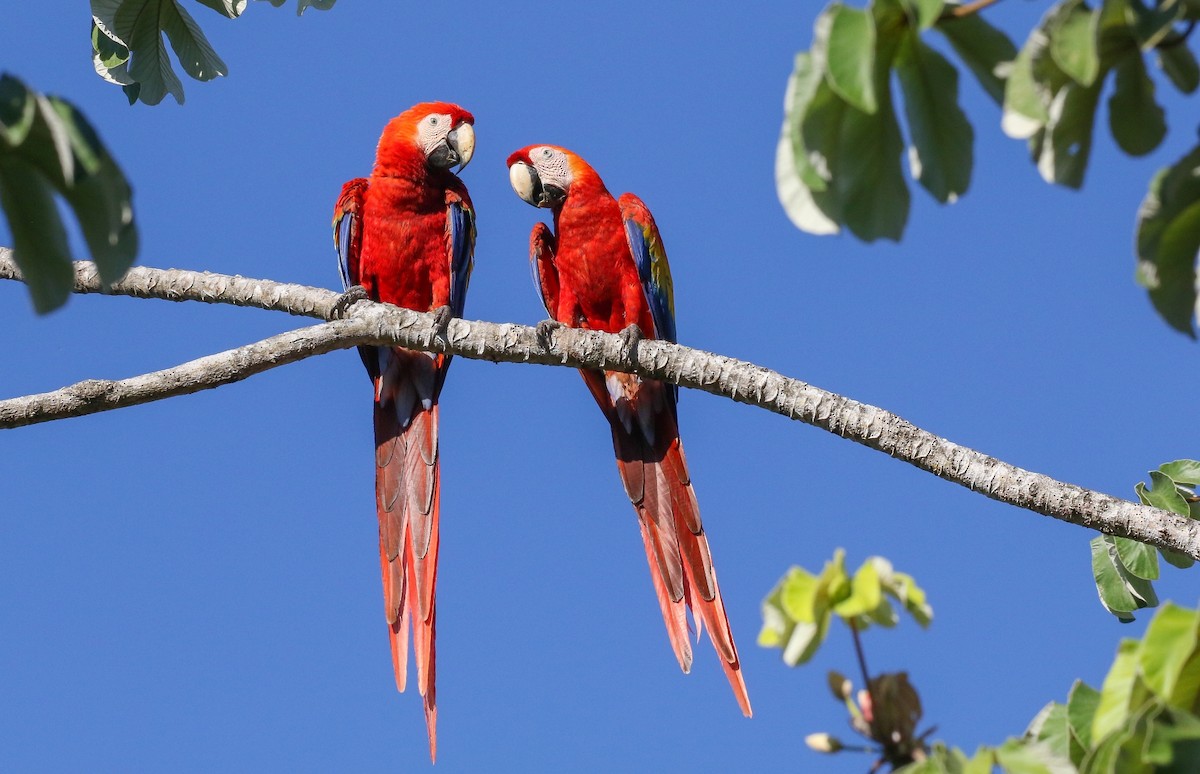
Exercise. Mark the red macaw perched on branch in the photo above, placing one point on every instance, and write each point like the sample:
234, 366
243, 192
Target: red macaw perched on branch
406, 236
604, 268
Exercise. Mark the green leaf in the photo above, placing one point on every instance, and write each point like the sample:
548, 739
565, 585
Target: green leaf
1120, 592
1182, 472
138, 26
1139, 559
228, 8
796, 178
1072, 29
985, 50
923, 14
865, 593
320, 5
1138, 123
59, 151
1082, 703
850, 56
1122, 692
1168, 239
1179, 64
802, 86
1162, 494
940, 154
1063, 147
905, 590
39, 239
867, 191
798, 593
1152, 25
1170, 655
1018, 756
1050, 727
1032, 81
17, 107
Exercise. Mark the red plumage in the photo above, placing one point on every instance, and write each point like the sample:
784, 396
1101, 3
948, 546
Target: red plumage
406, 235
604, 268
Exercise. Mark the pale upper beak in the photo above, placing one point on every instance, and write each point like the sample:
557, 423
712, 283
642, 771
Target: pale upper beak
462, 142
528, 184
456, 148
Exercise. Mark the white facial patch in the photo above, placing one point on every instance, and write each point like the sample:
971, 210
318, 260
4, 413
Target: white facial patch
432, 129
552, 166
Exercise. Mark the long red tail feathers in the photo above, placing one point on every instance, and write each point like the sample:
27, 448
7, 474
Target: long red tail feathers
408, 499
681, 566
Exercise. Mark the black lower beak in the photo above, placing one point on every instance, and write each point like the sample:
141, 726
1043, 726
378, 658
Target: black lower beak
444, 156
549, 196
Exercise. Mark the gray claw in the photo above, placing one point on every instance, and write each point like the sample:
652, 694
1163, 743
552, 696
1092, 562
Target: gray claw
630, 336
545, 329
441, 322
346, 300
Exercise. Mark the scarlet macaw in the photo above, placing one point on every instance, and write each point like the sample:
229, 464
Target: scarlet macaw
406, 236
604, 268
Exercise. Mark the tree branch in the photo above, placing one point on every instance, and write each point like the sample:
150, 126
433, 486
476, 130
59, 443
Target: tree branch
373, 323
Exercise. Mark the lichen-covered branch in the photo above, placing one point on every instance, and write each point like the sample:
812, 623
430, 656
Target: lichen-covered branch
744, 382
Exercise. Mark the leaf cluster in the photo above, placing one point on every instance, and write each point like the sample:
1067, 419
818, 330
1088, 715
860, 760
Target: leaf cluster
798, 611
1144, 717
128, 47
1124, 568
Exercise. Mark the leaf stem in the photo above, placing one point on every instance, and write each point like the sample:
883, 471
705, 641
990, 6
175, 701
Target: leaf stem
958, 12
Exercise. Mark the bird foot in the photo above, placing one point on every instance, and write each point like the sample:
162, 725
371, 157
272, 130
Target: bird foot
545, 330
441, 322
630, 336
346, 300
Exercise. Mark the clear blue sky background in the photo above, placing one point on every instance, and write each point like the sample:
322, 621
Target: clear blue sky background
193, 585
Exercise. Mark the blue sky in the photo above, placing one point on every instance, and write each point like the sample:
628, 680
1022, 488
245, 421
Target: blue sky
193, 584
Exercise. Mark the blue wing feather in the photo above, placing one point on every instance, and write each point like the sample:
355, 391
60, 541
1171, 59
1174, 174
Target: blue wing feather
461, 222
653, 269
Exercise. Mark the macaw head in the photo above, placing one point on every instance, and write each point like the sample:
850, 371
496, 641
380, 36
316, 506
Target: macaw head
439, 134
542, 175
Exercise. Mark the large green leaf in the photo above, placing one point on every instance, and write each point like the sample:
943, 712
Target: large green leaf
1182, 472
47, 146
1033, 80
985, 50
1138, 558
850, 56
1121, 592
1170, 655
1071, 26
138, 26
1122, 693
39, 240
941, 136
1138, 123
923, 14
1168, 240
1179, 65
1019, 756
862, 151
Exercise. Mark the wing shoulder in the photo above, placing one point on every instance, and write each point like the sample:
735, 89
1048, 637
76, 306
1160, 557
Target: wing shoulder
645, 243
347, 229
542, 245
460, 232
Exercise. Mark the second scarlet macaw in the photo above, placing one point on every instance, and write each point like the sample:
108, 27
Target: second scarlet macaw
406, 236
604, 268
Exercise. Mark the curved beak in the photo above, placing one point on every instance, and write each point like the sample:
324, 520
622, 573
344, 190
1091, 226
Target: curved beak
457, 148
528, 185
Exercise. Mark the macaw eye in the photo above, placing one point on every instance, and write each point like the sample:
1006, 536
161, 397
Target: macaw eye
433, 121
546, 153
